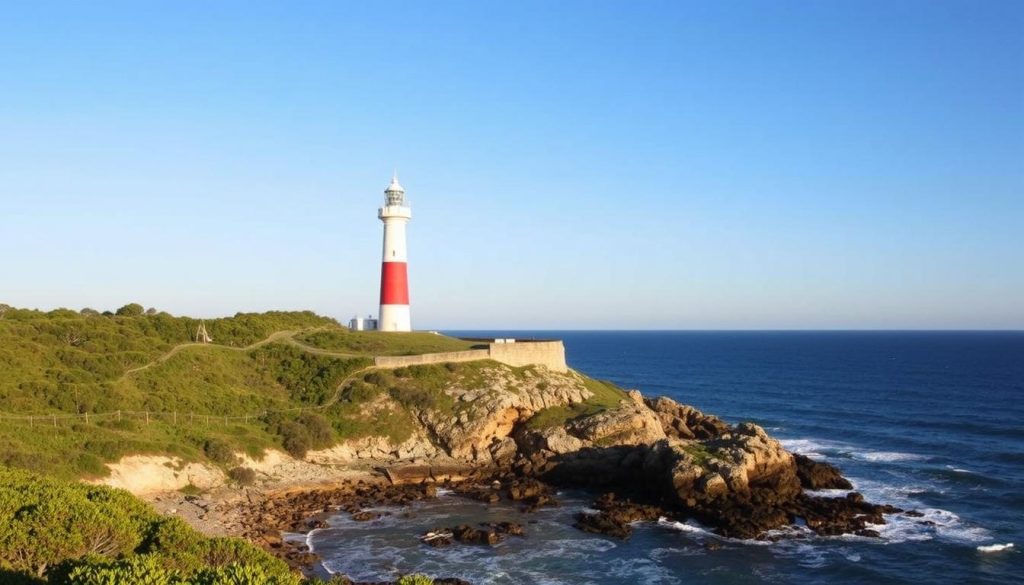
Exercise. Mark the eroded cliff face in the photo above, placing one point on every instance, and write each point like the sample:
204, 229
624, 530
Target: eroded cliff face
479, 429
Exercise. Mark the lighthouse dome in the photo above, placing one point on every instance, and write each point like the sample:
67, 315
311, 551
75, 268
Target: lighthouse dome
395, 185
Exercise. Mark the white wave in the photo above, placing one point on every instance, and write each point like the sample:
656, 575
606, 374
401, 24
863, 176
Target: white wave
886, 456
988, 548
823, 449
830, 493
693, 528
690, 526
959, 469
810, 447
934, 523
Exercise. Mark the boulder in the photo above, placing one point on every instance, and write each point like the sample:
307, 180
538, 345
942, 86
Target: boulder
818, 475
680, 421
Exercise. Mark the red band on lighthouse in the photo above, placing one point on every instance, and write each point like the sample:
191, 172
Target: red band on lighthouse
394, 284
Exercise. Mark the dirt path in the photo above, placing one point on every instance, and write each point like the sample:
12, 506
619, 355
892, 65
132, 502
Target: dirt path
287, 336
276, 336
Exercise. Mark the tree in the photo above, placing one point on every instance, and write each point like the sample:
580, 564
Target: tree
87, 312
151, 311
130, 310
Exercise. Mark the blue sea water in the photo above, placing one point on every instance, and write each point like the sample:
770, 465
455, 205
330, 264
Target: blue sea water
930, 421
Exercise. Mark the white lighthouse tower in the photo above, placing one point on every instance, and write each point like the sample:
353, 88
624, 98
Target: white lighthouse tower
394, 276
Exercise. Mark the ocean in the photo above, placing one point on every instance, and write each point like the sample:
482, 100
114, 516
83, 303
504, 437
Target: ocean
930, 421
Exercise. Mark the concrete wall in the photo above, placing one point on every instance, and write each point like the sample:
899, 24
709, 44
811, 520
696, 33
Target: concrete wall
397, 361
527, 353
550, 354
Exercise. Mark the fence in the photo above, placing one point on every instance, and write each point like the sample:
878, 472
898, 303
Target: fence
148, 416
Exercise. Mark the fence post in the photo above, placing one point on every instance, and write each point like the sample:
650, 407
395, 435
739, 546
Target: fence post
30, 422
86, 418
119, 415
175, 417
191, 416
55, 421
147, 417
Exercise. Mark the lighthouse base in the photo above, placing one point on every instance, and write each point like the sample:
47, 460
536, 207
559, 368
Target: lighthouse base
395, 318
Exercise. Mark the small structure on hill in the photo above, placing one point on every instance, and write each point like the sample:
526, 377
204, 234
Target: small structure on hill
201, 335
367, 323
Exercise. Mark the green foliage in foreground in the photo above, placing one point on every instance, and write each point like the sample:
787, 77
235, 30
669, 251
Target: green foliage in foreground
66, 532
606, 395
384, 343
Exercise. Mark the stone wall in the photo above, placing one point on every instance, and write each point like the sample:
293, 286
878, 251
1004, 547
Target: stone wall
397, 361
550, 354
527, 353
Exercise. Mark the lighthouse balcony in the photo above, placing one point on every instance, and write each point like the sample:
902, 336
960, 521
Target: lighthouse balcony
394, 211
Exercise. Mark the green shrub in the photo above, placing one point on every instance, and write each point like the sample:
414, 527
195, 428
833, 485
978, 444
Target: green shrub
52, 521
413, 397
137, 570
415, 580
78, 534
219, 452
130, 310
242, 574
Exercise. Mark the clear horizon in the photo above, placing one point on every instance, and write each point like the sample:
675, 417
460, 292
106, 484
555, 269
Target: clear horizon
579, 166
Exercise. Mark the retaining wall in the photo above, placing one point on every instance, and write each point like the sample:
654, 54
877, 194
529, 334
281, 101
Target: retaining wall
550, 354
397, 361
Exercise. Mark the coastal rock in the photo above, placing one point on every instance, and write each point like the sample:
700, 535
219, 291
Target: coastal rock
818, 475
375, 448
628, 423
680, 421
492, 406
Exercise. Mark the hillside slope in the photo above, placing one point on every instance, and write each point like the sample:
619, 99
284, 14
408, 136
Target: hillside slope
79, 391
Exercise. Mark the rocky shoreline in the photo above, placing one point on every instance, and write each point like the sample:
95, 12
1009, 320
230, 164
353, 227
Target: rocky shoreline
645, 460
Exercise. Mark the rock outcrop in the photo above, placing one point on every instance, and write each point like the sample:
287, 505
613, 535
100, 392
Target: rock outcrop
480, 427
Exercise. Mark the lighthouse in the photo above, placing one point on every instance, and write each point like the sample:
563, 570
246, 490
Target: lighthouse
394, 279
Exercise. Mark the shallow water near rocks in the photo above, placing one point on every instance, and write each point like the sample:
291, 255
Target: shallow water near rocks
927, 421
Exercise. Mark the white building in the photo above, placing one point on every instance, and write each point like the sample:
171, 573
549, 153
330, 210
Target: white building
367, 323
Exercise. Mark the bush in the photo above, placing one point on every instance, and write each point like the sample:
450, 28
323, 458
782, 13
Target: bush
308, 431
52, 521
415, 580
242, 475
219, 452
130, 310
294, 439
413, 397
93, 535
137, 570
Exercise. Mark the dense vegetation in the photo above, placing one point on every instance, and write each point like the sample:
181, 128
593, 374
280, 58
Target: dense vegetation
57, 532
65, 532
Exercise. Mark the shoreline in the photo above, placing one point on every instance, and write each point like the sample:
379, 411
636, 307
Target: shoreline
262, 514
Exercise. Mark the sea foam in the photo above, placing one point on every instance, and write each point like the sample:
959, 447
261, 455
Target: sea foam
989, 548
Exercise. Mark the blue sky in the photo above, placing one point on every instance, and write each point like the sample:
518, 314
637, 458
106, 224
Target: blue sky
598, 164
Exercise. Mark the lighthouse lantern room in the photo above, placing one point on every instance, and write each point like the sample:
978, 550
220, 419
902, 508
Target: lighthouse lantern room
394, 278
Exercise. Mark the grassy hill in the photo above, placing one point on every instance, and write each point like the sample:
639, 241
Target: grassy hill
270, 379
